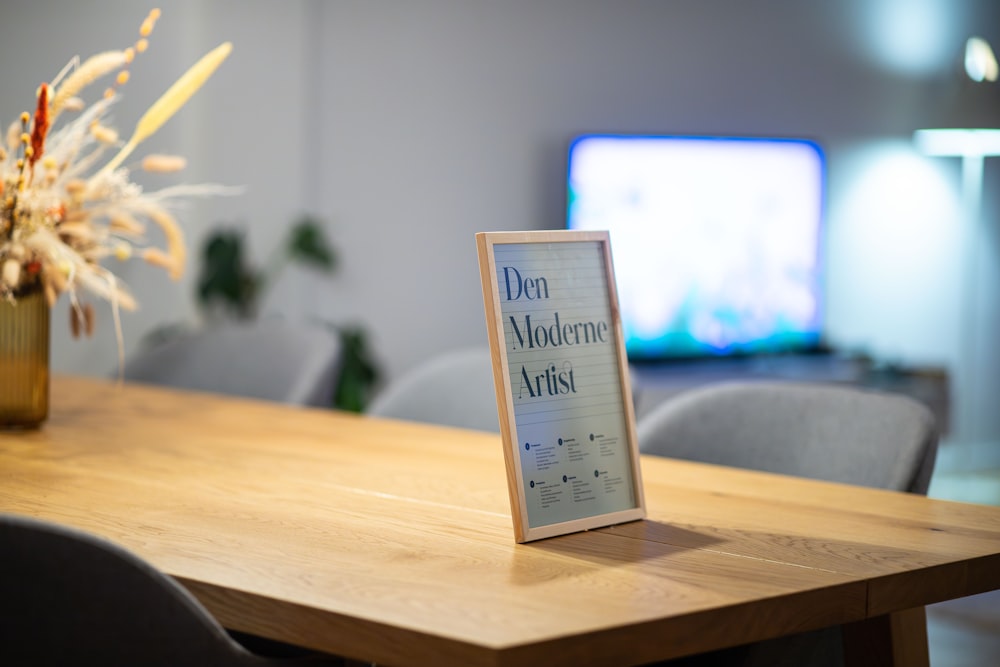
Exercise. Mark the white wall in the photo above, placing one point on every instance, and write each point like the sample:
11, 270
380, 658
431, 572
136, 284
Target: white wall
409, 125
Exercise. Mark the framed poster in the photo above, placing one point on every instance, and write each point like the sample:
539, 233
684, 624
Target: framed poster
561, 377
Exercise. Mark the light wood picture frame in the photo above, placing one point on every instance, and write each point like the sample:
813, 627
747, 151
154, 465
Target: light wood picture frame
561, 376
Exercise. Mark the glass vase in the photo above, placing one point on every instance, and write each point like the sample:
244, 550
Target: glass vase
24, 360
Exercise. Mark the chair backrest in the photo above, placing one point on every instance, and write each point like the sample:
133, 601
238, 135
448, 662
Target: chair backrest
822, 431
271, 359
452, 389
71, 598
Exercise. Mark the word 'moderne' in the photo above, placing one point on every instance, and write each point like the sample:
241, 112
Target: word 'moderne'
554, 380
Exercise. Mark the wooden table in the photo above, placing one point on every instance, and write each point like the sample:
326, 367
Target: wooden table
392, 542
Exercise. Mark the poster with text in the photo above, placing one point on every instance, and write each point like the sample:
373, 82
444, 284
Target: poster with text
571, 425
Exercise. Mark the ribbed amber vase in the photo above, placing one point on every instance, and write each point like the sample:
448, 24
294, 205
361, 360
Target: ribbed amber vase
24, 361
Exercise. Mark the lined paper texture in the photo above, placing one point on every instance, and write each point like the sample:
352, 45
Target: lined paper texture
565, 382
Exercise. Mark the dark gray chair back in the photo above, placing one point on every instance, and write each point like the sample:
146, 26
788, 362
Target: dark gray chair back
71, 598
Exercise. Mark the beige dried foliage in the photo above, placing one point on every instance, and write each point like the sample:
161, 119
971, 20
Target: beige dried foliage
11, 275
80, 230
13, 137
157, 257
58, 279
176, 249
92, 69
106, 135
122, 222
74, 104
75, 323
172, 100
66, 208
158, 163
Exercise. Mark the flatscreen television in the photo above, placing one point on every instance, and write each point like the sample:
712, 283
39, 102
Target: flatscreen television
716, 240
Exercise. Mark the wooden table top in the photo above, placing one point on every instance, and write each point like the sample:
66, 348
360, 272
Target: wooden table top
392, 542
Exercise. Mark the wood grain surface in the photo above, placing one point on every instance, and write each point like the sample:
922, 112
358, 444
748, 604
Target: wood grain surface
393, 542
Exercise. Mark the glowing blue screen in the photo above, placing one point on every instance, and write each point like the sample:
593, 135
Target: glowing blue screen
715, 240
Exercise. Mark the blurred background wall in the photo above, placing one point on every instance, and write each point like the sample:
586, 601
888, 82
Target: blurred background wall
409, 125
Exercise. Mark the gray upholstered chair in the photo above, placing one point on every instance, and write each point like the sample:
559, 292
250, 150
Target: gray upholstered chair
822, 431
453, 389
271, 359
829, 432
71, 598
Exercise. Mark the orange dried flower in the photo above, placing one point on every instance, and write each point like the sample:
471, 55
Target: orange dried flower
41, 125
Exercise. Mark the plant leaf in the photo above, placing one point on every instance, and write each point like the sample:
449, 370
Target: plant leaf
224, 276
358, 371
308, 244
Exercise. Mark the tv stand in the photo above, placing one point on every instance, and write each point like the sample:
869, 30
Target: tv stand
655, 382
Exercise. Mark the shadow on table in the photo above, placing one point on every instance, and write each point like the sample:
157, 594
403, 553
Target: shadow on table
613, 546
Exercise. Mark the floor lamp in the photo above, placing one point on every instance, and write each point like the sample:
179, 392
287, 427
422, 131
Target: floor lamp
971, 108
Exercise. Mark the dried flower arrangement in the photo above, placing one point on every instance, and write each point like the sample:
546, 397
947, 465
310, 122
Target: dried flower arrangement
63, 212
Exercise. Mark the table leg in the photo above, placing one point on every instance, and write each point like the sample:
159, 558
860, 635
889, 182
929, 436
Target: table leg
893, 640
